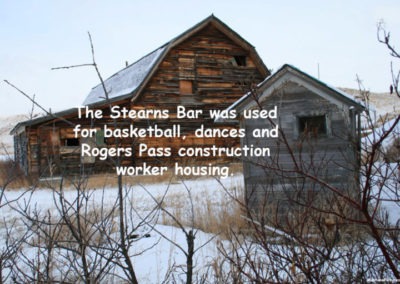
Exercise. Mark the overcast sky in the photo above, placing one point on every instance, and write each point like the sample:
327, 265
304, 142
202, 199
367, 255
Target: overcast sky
337, 36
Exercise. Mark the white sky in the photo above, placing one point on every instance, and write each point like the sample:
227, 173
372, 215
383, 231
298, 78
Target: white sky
35, 36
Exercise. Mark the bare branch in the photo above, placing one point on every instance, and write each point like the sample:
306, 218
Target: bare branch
73, 66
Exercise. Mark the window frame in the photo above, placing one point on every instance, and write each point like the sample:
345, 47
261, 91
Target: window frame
298, 134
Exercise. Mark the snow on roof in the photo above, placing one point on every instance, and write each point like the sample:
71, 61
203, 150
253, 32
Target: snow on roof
126, 81
291, 67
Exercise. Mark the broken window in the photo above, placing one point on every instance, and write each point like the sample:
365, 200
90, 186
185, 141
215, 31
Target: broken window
240, 60
312, 126
71, 142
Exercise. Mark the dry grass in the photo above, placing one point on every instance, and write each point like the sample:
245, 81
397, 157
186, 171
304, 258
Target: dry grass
110, 179
209, 214
221, 216
11, 176
14, 177
57, 230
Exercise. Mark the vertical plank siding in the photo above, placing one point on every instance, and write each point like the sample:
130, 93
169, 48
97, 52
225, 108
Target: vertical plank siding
329, 157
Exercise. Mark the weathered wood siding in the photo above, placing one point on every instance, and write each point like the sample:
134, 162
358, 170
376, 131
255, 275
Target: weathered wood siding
50, 154
330, 157
206, 71
21, 151
200, 73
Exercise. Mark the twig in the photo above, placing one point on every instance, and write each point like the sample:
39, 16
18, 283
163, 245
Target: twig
72, 66
49, 113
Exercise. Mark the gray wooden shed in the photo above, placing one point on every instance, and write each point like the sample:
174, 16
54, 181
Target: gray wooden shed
316, 152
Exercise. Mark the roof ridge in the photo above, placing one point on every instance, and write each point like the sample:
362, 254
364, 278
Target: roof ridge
141, 76
162, 46
291, 68
132, 64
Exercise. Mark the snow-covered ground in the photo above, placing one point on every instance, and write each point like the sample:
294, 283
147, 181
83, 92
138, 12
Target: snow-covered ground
375, 136
387, 175
386, 192
154, 255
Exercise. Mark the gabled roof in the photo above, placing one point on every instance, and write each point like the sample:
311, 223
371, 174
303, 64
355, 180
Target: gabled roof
125, 81
289, 73
20, 127
130, 81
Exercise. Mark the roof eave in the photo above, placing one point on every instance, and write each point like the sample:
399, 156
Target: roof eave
42, 119
18, 129
340, 94
107, 102
269, 81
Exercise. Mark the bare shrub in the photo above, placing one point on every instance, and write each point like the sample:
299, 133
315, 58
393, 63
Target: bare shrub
217, 216
11, 175
392, 153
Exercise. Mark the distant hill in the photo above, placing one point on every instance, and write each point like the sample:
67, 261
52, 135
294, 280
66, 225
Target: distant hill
382, 103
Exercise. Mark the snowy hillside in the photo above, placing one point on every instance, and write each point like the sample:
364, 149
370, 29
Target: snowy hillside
382, 103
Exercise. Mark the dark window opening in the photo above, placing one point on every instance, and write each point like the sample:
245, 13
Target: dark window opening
240, 60
312, 125
71, 142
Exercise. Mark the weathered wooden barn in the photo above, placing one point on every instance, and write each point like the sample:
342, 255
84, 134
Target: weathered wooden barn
318, 139
204, 68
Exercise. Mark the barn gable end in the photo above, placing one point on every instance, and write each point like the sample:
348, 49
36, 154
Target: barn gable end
203, 68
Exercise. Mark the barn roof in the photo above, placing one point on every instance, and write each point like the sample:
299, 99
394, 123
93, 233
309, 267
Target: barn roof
125, 81
42, 119
128, 82
290, 73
